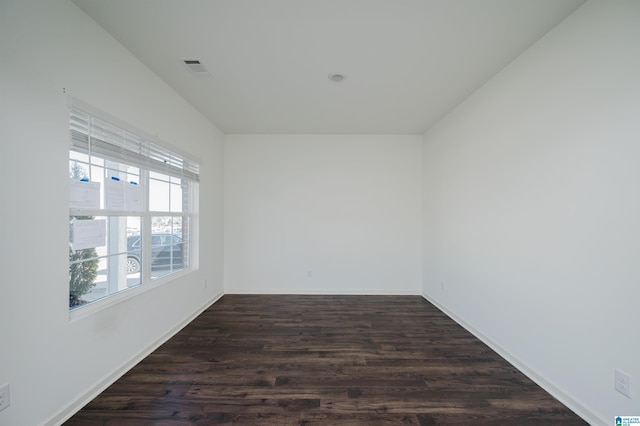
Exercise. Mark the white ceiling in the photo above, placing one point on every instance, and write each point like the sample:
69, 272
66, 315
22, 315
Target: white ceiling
407, 62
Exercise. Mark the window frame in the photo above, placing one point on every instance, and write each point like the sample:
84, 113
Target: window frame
127, 146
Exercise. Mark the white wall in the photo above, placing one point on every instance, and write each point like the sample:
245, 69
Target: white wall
532, 210
322, 214
49, 360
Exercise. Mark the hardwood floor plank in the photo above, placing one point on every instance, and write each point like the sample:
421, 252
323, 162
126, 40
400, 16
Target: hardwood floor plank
323, 360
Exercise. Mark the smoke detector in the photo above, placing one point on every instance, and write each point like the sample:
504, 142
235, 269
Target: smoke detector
337, 77
196, 67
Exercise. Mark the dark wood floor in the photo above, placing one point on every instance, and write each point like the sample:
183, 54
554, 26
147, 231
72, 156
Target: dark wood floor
324, 360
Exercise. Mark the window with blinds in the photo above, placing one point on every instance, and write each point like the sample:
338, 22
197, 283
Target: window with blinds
132, 207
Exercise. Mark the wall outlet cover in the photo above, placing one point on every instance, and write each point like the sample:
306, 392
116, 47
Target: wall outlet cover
623, 383
5, 397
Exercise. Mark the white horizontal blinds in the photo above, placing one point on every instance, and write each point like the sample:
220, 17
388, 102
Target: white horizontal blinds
166, 161
95, 136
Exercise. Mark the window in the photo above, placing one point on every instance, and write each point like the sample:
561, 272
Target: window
132, 207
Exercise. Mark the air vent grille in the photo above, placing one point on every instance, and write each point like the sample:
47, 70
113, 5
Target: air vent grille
196, 67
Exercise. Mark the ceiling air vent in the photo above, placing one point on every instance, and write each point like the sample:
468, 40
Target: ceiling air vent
196, 67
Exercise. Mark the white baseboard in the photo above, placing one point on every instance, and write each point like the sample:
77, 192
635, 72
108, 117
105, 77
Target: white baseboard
88, 395
556, 391
323, 293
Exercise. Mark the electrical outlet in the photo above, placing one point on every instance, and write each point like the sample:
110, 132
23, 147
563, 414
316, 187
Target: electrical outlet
443, 285
623, 383
5, 398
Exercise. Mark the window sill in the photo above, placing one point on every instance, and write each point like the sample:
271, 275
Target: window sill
124, 295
